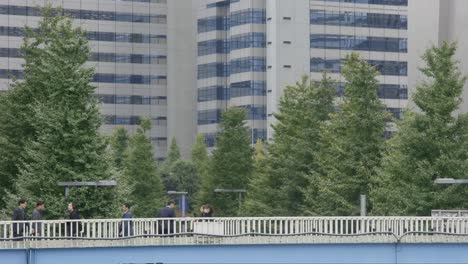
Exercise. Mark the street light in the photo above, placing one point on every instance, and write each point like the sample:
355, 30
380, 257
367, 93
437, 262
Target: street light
239, 191
183, 199
450, 181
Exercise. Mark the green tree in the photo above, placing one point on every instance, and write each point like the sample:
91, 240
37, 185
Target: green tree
232, 164
430, 143
260, 194
202, 165
141, 175
352, 143
119, 144
64, 120
185, 178
277, 187
173, 155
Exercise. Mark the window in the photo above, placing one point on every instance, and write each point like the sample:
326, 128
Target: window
345, 42
131, 99
87, 14
213, 93
248, 16
352, 19
249, 40
212, 47
248, 64
206, 117
396, 68
255, 112
212, 24
130, 120
248, 88
212, 70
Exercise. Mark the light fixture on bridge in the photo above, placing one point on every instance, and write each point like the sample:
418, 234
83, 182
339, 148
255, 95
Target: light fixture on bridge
450, 181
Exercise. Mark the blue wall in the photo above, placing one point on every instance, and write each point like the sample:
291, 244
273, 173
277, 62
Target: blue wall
274, 254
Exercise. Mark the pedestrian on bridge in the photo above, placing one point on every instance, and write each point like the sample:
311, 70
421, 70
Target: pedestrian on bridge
73, 227
19, 215
167, 226
38, 214
126, 227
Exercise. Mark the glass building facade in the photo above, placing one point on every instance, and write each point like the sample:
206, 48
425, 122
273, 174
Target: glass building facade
128, 39
243, 55
231, 64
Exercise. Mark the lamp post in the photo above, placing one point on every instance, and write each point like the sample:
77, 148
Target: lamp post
183, 199
450, 181
239, 191
67, 185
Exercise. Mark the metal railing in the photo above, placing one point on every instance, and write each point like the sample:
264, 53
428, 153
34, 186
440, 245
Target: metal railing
268, 230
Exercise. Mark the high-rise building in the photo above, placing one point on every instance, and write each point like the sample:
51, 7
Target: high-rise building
144, 55
250, 50
231, 64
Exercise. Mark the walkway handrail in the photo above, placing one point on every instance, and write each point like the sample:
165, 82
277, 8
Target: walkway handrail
397, 228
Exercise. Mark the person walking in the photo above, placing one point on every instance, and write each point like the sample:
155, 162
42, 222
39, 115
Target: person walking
167, 226
206, 210
19, 215
126, 227
38, 214
73, 227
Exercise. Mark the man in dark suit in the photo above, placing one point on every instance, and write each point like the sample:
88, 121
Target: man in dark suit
167, 226
19, 215
126, 227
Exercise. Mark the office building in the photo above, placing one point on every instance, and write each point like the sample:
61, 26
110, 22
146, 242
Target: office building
250, 50
137, 47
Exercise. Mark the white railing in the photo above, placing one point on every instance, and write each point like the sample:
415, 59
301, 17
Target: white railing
271, 230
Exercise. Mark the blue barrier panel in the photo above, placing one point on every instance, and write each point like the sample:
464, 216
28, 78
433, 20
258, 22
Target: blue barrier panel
248, 254
13, 256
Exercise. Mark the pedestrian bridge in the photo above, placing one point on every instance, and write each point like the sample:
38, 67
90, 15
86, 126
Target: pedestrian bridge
238, 240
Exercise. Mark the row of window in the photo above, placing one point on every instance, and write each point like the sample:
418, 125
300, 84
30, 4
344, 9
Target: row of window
248, 16
132, 120
129, 58
129, 79
247, 88
212, 93
347, 42
242, 17
102, 57
131, 99
102, 77
386, 91
373, 2
213, 116
212, 47
86, 14
209, 70
396, 68
247, 64
255, 134
249, 40
354, 19
219, 69
99, 36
